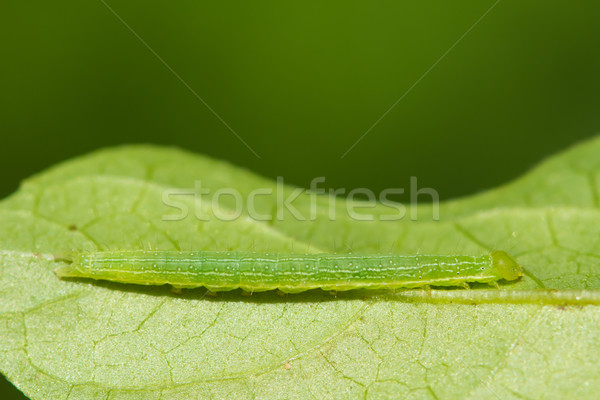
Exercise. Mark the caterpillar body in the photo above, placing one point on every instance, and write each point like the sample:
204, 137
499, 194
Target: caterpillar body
290, 273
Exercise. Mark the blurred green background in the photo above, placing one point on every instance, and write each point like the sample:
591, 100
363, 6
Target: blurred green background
300, 82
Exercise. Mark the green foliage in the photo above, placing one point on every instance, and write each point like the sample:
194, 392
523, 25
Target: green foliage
91, 340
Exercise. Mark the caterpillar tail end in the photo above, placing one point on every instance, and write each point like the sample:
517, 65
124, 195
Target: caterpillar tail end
506, 266
68, 269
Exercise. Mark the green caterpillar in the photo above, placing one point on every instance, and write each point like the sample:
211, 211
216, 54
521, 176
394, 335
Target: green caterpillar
290, 273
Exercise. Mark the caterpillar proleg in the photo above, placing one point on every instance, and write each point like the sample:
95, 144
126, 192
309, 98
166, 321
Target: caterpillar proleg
290, 273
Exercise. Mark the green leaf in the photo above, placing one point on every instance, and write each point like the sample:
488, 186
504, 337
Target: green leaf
87, 340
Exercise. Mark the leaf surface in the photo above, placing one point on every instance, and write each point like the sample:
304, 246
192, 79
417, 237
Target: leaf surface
85, 340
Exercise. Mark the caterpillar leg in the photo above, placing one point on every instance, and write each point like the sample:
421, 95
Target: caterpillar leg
176, 290
465, 285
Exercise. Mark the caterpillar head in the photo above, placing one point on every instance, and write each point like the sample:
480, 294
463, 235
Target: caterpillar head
506, 266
